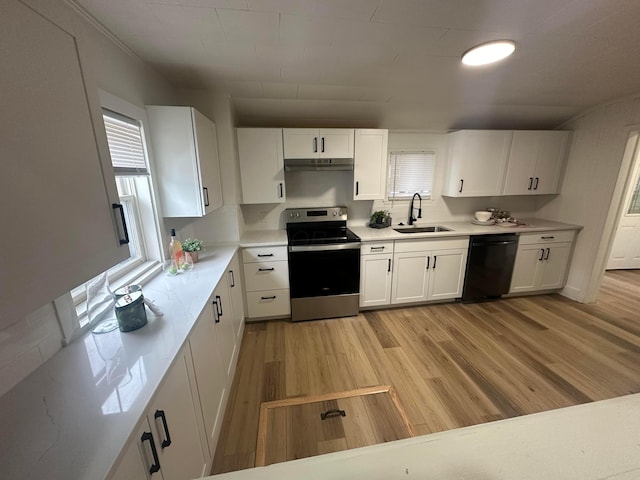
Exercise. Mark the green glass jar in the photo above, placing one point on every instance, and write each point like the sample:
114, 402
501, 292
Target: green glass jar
130, 312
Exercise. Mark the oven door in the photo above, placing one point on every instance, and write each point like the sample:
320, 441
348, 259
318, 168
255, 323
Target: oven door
324, 281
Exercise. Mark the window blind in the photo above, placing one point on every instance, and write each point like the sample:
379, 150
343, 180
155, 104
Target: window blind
410, 173
125, 144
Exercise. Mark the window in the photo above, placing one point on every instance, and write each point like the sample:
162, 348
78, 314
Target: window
634, 204
410, 172
126, 140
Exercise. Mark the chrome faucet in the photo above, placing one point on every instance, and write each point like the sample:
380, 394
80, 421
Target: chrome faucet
411, 208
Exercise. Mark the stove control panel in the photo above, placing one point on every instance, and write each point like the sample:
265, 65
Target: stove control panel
322, 214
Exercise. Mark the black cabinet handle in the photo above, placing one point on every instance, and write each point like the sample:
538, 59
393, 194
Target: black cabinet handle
265, 254
155, 466
272, 297
118, 206
541, 254
357, 188
435, 259
334, 412
315, 144
535, 185
280, 190
389, 267
461, 185
233, 279
266, 269
428, 262
547, 237
530, 183
377, 248
322, 144
205, 190
547, 255
167, 438
216, 313
219, 306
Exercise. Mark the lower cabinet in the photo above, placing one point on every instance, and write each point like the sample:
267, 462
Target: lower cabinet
425, 270
237, 298
266, 276
541, 261
375, 274
167, 443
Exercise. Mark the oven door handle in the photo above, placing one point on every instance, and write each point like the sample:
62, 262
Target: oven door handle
322, 248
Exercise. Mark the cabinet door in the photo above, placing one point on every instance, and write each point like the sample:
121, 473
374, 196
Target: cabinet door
301, 142
225, 326
174, 424
555, 263
237, 296
478, 161
137, 462
208, 161
260, 152
550, 160
375, 280
211, 376
335, 143
410, 277
527, 268
447, 274
370, 164
56, 188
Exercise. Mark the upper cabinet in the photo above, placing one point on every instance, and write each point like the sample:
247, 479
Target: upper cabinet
370, 164
185, 148
535, 162
477, 162
261, 165
318, 143
57, 187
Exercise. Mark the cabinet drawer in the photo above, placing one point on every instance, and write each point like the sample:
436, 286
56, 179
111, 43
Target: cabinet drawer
376, 248
547, 237
266, 276
426, 245
264, 254
270, 303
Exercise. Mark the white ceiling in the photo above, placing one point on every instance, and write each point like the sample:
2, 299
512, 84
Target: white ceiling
388, 63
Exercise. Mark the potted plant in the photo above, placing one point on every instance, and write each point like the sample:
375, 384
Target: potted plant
380, 219
191, 247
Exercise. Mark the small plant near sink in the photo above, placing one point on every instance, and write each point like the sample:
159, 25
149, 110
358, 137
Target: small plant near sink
380, 219
191, 247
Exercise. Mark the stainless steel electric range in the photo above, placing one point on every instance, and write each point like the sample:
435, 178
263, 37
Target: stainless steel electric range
324, 263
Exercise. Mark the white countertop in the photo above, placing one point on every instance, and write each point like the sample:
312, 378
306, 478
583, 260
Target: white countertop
71, 417
593, 441
368, 234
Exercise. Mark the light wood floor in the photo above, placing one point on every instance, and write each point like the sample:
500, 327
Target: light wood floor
453, 365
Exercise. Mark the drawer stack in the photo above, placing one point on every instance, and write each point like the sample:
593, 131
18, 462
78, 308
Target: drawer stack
266, 274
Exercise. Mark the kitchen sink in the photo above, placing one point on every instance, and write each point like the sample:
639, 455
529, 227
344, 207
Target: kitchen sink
429, 229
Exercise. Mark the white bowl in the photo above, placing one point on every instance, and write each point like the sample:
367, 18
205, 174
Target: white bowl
482, 215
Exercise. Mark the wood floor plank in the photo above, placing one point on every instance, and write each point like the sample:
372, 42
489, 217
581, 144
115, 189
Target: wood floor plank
452, 365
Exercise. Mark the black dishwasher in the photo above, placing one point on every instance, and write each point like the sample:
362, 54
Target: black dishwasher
489, 266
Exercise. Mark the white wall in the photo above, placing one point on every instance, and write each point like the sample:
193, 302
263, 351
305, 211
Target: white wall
589, 196
29, 343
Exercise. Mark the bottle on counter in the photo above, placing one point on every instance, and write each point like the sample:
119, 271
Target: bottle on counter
175, 252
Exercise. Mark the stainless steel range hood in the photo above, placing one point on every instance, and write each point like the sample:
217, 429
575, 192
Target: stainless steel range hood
317, 164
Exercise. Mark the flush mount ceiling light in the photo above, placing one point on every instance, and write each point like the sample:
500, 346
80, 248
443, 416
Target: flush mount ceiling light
489, 52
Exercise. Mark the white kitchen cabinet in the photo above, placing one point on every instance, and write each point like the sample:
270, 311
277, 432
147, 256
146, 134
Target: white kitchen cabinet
260, 152
211, 377
541, 261
428, 270
318, 143
370, 164
535, 162
266, 276
57, 188
166, 444
185, 149
223, 319
237, 296
376, 260
477, 162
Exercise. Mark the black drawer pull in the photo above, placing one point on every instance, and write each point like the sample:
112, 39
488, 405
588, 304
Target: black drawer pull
205, 190
389, 267
265, 254
266, 269
541, 254
233, 279
155, 466
377, 248
125, 233
461, 185
167, 438
435, 259
535, 185
548, 237
428, 262
530, 183
272, 297
547, 255
334, 412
